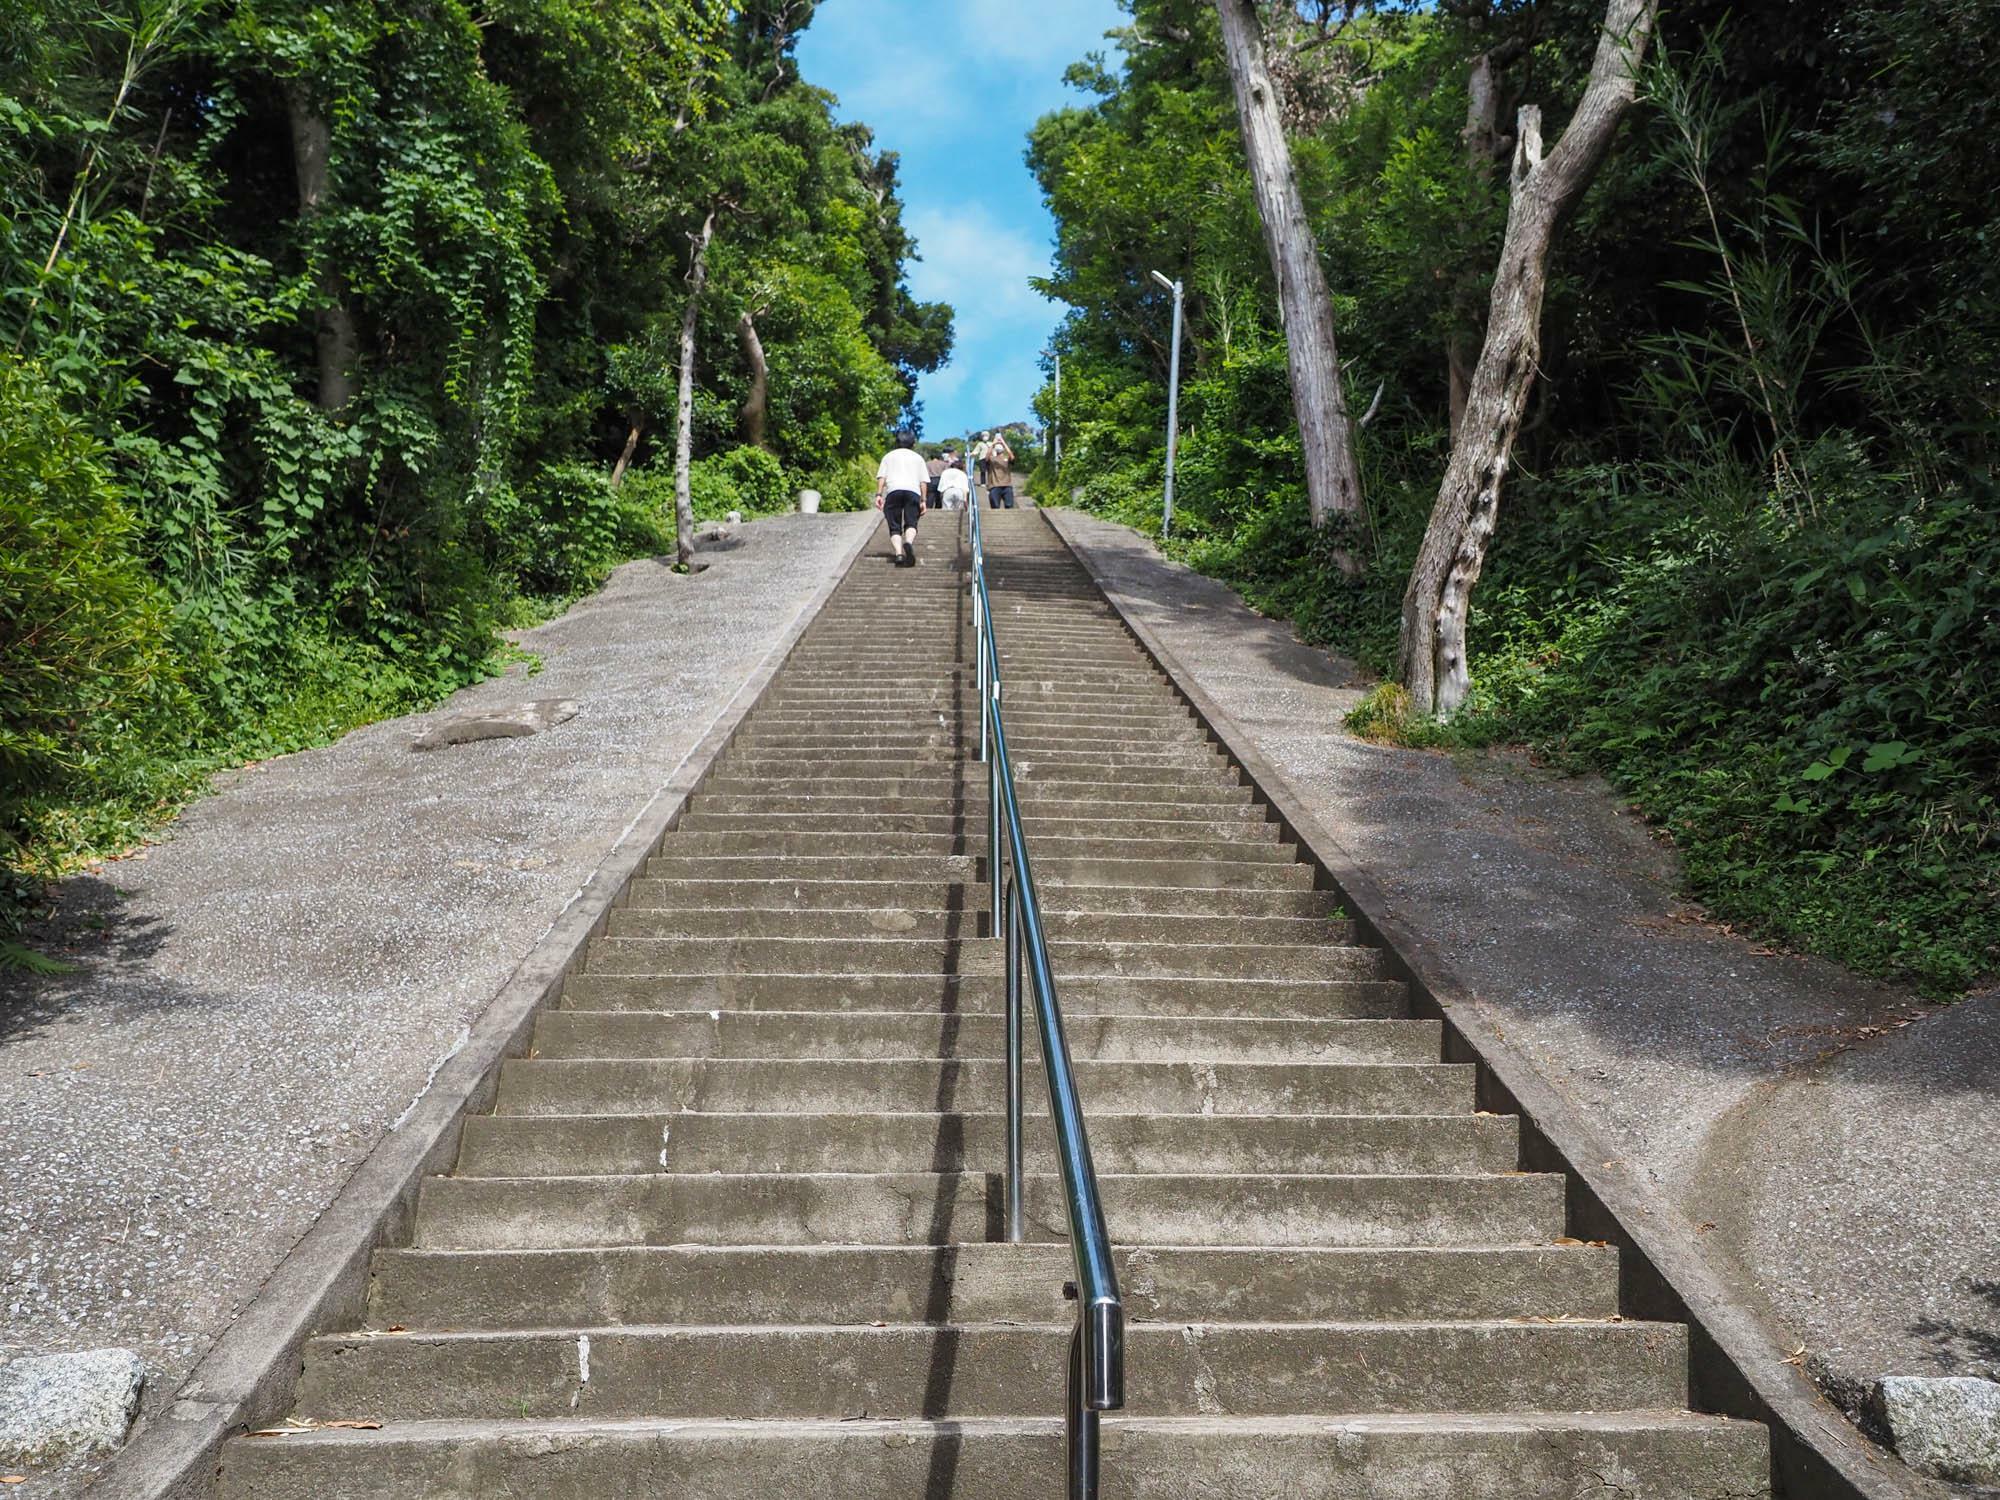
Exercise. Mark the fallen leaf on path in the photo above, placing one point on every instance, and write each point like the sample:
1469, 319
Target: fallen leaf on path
13, 1478
355, 1425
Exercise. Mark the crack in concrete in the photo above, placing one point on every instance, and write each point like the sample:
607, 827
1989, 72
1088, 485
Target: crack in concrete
1141, 1281
1207, 1394
1207, 1083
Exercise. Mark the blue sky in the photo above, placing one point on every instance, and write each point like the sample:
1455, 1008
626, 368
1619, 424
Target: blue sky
967, 195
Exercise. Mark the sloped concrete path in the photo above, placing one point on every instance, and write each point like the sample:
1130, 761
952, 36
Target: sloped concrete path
262, 996
1833, 1159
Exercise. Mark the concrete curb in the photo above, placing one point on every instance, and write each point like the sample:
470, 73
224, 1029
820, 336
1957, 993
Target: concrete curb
1734, 1367
248, 1378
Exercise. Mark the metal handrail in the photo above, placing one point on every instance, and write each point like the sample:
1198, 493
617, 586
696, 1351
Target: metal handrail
1097, 1346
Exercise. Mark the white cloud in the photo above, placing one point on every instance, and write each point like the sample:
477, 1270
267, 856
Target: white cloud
979, 265
1039, 33
903, 90
945, 384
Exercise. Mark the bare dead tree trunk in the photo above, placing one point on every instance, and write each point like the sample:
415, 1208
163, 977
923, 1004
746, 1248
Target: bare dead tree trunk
337, 340
1431, 656
1333, 478
631, 447
1482, 121
684, 404
754, 420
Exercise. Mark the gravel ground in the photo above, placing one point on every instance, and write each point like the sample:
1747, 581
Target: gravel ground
259, 998
1830, 1141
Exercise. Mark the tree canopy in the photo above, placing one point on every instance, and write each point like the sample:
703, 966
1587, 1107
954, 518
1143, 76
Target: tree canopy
326, 326
1748, 556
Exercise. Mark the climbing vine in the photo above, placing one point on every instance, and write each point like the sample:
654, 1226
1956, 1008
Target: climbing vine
334, 320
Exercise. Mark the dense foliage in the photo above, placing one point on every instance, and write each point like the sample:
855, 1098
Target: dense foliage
336, 337
1749, 560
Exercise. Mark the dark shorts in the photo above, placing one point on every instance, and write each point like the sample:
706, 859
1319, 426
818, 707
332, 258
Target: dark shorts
1000, 495
900, 508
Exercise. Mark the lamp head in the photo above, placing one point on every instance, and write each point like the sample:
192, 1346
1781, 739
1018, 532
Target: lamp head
1163, 281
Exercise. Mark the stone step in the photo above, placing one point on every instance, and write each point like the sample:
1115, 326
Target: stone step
798, 893
973, 824
1113, 733
1056, 658
573, 1034
893, 784
1161, 710
1655, 1455
926, 659
556, 1086
1130, 712
1073, 752
1325, 1145
758, 1373
811, 673
896, 954
918, 1208
925, 873
640, 921
919, 657
661, 1285
1175, 844
970, 803
961, 693
935, 994
1109, 745
1169, 769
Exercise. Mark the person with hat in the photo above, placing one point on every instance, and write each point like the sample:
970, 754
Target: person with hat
998, 472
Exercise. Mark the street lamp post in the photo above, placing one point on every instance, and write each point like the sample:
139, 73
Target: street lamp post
1058, 414
1173, 404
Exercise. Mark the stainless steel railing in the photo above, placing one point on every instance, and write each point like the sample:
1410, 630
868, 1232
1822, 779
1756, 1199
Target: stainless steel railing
1097, 1346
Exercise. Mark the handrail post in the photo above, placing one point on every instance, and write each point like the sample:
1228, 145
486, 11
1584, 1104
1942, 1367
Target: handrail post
1016, 1224
1080, 1423
980, 625
993, 859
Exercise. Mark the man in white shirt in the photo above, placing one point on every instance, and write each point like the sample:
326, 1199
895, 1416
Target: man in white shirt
900, 481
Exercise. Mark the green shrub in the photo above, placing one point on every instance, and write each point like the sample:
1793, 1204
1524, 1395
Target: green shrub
747, 480
561, 533
850, 486
761, 484
83, 629
1809, 710
1384, 716
711, 493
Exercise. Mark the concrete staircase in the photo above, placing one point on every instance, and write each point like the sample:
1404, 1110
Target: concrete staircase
733, 1226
